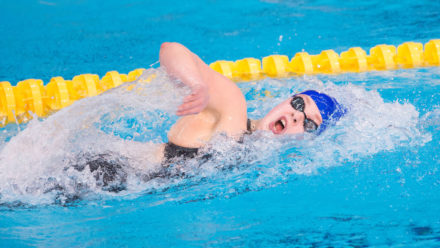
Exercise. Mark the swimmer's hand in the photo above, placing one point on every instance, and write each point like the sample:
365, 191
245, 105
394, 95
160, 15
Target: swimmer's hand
195, 102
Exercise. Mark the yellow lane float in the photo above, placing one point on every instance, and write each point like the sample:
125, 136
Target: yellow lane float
31, 98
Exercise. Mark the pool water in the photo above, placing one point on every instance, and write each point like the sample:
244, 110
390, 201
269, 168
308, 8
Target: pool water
371, 180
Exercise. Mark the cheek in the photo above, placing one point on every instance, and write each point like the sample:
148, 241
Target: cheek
295, 128
273, 114
279, 110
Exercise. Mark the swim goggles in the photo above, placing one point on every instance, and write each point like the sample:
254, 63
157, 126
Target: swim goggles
298, 104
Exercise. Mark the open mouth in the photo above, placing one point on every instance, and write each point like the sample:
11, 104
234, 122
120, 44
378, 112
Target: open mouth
278, 126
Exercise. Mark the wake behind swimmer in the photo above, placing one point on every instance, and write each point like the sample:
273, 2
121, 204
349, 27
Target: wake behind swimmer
214, 105
87, 136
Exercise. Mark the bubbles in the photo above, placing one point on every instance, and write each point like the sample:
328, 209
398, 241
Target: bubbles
108, 145
431, 119
37, 163
371, 125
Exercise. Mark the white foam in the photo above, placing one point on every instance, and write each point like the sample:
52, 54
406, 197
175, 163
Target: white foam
38, 159
35, 160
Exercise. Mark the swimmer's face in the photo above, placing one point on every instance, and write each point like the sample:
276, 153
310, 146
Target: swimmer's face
284, 119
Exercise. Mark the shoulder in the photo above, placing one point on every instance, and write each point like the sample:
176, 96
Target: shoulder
231, 110
225, 95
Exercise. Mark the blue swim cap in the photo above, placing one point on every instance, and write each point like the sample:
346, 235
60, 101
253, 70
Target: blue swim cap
331, 111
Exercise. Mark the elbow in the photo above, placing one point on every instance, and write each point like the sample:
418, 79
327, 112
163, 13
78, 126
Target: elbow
169, 46
169, 51
165, 52
165, 45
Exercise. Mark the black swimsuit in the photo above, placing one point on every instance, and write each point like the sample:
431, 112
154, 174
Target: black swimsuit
172, 150
109, 169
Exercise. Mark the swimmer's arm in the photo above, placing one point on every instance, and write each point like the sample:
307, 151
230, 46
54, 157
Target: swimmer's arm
211, 91
185, 65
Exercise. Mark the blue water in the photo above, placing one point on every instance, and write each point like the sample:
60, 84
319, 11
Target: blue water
373, 180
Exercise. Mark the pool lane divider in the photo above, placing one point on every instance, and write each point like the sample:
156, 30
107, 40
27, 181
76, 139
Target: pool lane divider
30, 98
355, 59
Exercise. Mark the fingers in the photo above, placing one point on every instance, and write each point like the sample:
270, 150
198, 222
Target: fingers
189, 112
193, 103
192, 107
190, 98
196, 93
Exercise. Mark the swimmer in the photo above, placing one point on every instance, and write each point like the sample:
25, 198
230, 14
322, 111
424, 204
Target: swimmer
216, 105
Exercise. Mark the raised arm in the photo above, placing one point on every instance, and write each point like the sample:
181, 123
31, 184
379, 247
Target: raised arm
215, 105
185, 65
181, 63
209, 89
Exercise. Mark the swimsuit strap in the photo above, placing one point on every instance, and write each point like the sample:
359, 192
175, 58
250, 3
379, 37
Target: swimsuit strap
248, 127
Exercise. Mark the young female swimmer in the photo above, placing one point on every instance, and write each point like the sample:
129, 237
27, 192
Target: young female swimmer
216, 105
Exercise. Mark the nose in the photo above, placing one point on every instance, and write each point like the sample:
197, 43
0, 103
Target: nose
296, 125
297, 117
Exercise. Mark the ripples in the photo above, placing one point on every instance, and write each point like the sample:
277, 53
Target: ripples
105, 146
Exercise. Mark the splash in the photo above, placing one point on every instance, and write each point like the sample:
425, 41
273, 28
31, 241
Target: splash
106, 146
265, 160
38, 164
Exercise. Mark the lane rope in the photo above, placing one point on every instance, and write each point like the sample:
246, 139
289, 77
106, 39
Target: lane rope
31, 97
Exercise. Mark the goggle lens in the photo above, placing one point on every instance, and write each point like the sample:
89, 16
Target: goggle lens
298, 104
